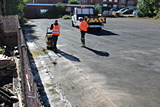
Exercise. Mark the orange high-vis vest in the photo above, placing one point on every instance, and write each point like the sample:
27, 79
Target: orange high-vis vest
83, 26
56, 30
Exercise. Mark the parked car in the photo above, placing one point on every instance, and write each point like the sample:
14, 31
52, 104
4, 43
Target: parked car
127, 11
137, 13
113, 9
121, 10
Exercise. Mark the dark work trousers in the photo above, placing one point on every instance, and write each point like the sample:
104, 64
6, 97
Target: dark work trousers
55, 39
83, 37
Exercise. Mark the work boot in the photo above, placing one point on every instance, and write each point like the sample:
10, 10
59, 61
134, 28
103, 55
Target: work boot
83, 42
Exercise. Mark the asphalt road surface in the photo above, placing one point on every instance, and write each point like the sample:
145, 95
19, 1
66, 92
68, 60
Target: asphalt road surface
119, 67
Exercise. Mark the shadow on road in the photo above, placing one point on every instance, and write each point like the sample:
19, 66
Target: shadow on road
68, 56
29, 28
28, 32
102, 32
100, 53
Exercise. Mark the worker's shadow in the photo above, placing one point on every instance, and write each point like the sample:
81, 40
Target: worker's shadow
100, 53
68, 56
102, 32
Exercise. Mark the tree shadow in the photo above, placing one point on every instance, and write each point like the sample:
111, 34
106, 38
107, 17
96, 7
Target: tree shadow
101, 32
68, 56
100, 53
29, 28
28, 32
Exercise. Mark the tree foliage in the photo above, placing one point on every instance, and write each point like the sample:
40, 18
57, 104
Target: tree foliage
148, 7
61, 8
73, 2
98, 9
15, 7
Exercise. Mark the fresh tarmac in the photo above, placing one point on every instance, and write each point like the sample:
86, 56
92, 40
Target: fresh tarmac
118, 68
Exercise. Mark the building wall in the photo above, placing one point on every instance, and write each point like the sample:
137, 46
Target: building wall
47, 1
34, 11
131, 2
55, 1
128, 2
122, 2
40, 1
91, 2
65, 1
112, 3
1, 25
10, 27
0, 8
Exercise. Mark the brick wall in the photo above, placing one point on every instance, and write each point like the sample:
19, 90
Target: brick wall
41, 1
1, 25
34, 11
48, 1
9, 35
55, 1
128, 2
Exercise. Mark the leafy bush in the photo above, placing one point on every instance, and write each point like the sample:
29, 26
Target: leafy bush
148, 7
98, 9
73, 2
157, 16
66, 17
2, 51
56, 11
15, 7
61, 9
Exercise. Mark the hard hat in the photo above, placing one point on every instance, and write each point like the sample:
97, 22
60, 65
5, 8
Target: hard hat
80, 18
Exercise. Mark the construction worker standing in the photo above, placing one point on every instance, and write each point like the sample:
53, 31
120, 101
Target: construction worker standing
55, 33
83, 27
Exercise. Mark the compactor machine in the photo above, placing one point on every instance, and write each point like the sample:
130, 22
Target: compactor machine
49, 40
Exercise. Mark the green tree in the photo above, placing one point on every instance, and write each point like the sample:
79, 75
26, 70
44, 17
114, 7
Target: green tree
61, 9
56, 11
148, 7
73, 2
98, 9
15, 7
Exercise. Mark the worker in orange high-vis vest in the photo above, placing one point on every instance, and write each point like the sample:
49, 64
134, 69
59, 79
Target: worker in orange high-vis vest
83, 27
55, 33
